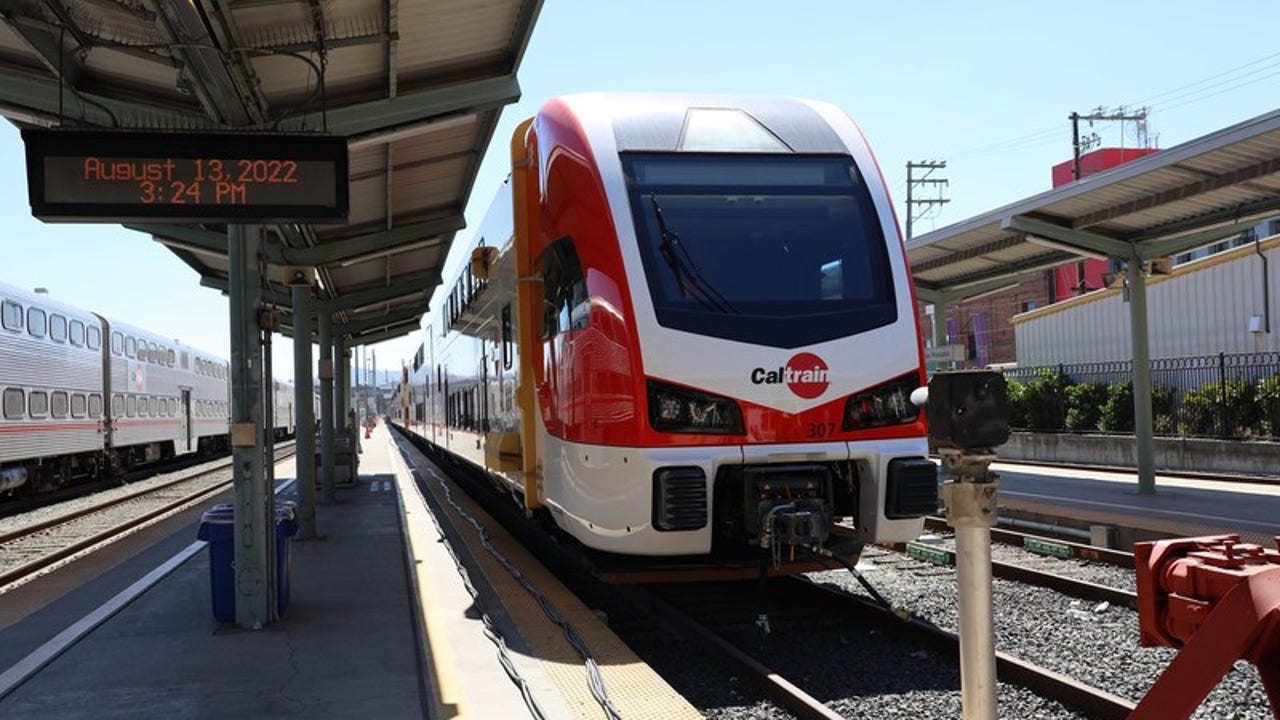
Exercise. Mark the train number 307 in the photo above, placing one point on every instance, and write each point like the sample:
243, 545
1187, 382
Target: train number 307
821, 430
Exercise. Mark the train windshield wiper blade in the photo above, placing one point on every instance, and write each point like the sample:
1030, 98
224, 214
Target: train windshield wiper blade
682, 266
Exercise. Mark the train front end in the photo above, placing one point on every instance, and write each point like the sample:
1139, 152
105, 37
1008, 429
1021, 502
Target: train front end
728, 335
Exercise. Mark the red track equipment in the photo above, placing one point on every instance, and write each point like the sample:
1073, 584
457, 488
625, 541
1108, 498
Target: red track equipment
1218, 600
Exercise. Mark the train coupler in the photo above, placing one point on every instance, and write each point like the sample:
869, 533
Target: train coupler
795, 523
1217, 600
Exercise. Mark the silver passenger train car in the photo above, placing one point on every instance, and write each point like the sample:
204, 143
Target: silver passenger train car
83, 394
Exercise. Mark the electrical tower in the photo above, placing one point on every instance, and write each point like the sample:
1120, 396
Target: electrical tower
928, 166
1139, 119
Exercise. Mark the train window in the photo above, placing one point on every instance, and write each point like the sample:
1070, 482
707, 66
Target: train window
144, 354
77, 333
79, 405
130, 347
38, 403
564, 287
173, 357
186, 360
155, 407
131, 406
93, 337
95, 405
59, 404
117, 344
15, 403
57, 328
173, 407
11, 315
506, 337
117, 405
37, 322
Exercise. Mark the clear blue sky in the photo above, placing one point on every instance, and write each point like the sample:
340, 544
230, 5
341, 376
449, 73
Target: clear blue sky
986, 86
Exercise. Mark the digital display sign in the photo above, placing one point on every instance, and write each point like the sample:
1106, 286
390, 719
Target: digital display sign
124, 176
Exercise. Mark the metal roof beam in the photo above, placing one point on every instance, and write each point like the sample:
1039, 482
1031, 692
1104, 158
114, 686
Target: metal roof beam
972, 290
1175, 246
354, 329
1068, 239
185, 237
470, 96
1235, 177
390, 333
1003, 272
950, 258
37, 101
1233, 214
374, 244
403, 286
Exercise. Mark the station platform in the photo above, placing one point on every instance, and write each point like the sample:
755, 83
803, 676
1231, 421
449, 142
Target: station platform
380, 623
1180, 507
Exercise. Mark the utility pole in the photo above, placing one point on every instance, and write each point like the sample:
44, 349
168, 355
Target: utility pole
928, 166
1078, 148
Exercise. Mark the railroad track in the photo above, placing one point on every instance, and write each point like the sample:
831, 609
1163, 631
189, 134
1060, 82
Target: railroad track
704, 613
33, 548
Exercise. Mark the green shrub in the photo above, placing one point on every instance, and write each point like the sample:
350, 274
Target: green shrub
1218, 409
1084, 406
1117, 410
1267, 397
1046, 401
1016, 392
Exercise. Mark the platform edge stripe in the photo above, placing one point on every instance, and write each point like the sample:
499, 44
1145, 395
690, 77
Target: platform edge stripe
21, 671
435, 652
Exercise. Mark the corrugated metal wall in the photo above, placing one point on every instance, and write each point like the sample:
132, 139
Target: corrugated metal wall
1202, 308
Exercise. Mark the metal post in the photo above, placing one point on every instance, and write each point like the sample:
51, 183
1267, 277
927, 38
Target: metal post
940, 338
252, 571
305, 457
326, 408
342, 393
1143, 425
971, 509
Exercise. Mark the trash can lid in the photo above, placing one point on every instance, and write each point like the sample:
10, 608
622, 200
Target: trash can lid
222, 513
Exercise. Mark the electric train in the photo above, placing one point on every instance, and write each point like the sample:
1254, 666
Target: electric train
686, 328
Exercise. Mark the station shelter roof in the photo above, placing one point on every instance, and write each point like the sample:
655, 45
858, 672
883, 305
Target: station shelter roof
415, 88
1145, 210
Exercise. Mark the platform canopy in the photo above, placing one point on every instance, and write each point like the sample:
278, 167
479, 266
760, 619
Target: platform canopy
414, 87
1141, 213
1157, 206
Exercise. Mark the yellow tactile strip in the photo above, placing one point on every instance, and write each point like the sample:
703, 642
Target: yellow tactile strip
634, 689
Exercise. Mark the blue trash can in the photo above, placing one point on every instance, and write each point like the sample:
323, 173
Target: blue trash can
217, 529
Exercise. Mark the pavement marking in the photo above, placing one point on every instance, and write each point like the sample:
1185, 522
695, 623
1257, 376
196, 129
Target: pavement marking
46, 653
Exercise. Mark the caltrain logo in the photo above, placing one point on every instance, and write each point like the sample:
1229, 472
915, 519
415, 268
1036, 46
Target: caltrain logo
805, 374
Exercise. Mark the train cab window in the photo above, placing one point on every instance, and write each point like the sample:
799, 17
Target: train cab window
76, 334
95, 405
780, 250
11, 315
37, 322
564, 288
79, 405
59, 404
15, 403
117, 405
131, 406
38, 403
57, 328
130, 347
117, 344
93, 337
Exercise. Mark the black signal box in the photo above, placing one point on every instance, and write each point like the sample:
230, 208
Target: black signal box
968, 409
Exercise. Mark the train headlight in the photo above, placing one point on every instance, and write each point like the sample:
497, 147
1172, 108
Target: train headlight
885, 404
675, 409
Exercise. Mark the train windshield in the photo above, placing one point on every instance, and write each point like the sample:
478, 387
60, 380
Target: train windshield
774, 250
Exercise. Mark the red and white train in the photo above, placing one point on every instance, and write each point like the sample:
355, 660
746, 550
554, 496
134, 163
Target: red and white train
82, 394
687, 329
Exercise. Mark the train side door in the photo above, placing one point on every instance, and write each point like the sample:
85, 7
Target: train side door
184, 420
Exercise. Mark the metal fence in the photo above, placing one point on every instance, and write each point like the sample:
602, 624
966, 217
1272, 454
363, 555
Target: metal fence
1233, 396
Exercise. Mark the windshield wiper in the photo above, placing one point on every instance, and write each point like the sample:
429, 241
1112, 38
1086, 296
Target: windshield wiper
682, 265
